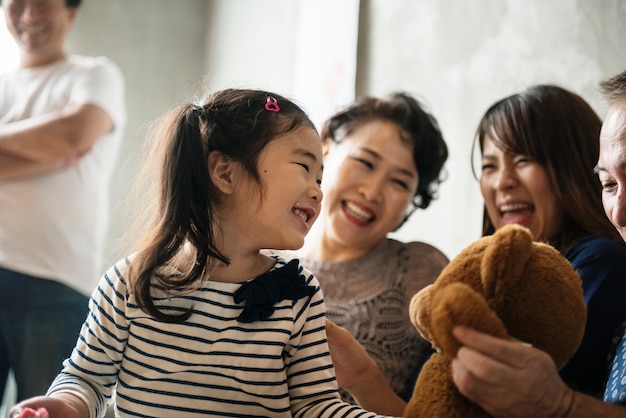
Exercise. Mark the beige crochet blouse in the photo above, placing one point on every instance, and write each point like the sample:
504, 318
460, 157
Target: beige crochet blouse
370, 297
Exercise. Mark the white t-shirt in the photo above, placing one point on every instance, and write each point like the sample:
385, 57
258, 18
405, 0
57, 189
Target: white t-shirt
54, 225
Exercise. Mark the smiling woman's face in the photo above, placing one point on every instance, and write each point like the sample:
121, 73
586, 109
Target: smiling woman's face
370, 179
516, 190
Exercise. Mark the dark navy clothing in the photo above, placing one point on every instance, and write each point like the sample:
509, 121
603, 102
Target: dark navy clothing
39, 323
601, 264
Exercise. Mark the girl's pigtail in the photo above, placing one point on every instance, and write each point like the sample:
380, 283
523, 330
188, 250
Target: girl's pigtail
199, 227
183, 220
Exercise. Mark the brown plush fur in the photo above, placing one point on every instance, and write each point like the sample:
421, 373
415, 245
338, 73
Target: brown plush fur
505, 285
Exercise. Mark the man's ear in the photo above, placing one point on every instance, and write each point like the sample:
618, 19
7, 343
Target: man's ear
222, 171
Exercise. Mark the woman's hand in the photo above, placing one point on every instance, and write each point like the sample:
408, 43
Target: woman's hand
508, 378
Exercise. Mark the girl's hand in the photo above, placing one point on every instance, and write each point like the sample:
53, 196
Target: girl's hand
359, 374
352, 363
31, 413
50, 407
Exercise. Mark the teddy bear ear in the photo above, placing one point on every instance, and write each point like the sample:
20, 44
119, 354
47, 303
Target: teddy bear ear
505, 256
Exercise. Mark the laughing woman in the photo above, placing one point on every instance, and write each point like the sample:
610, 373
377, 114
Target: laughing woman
539, 149
383, 159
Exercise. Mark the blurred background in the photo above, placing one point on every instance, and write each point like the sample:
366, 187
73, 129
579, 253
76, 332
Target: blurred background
456, 56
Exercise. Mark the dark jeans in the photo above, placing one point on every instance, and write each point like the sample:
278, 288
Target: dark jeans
39, 325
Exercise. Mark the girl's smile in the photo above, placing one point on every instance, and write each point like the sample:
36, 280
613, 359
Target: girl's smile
283, 211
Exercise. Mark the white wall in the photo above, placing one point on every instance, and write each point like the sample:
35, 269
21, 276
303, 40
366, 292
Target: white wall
304, 49
251, 44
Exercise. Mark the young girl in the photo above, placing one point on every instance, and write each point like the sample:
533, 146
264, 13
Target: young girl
198, 322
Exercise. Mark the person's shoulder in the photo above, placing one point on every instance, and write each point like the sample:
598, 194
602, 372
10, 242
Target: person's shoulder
599, 251
598, 244
115, 278
95, 64
91, 61
5, 75
121, 268
11, 76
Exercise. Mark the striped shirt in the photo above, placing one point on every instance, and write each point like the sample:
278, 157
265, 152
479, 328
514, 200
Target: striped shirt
208, 365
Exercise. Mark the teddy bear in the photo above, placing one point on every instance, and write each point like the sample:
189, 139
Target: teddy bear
505, 285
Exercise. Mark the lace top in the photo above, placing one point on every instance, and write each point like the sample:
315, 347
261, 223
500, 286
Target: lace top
370, 297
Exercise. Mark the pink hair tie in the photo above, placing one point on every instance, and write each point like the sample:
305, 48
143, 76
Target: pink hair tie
271, 104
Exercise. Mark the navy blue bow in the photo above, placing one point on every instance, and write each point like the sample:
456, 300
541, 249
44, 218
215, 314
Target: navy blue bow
273, 286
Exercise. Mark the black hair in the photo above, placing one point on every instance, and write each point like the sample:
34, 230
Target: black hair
234, 122
559, 130
418, 128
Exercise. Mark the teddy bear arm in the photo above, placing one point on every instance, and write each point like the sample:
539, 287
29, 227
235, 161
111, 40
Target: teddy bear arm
419, 311
459, 304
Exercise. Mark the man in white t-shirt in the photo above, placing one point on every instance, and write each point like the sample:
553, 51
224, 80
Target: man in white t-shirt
61, 121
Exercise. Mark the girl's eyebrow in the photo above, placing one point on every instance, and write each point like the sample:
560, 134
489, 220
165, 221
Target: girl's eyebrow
305, 153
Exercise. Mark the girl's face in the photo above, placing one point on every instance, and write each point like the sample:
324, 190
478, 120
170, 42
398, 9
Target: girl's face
516, 190
371, 180
290, 168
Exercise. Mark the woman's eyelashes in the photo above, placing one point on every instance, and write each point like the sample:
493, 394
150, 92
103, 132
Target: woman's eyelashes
364, 162
404, 184
488, 165
608, 184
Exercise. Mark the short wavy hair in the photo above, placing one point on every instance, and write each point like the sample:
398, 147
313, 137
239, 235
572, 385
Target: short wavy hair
419, 129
